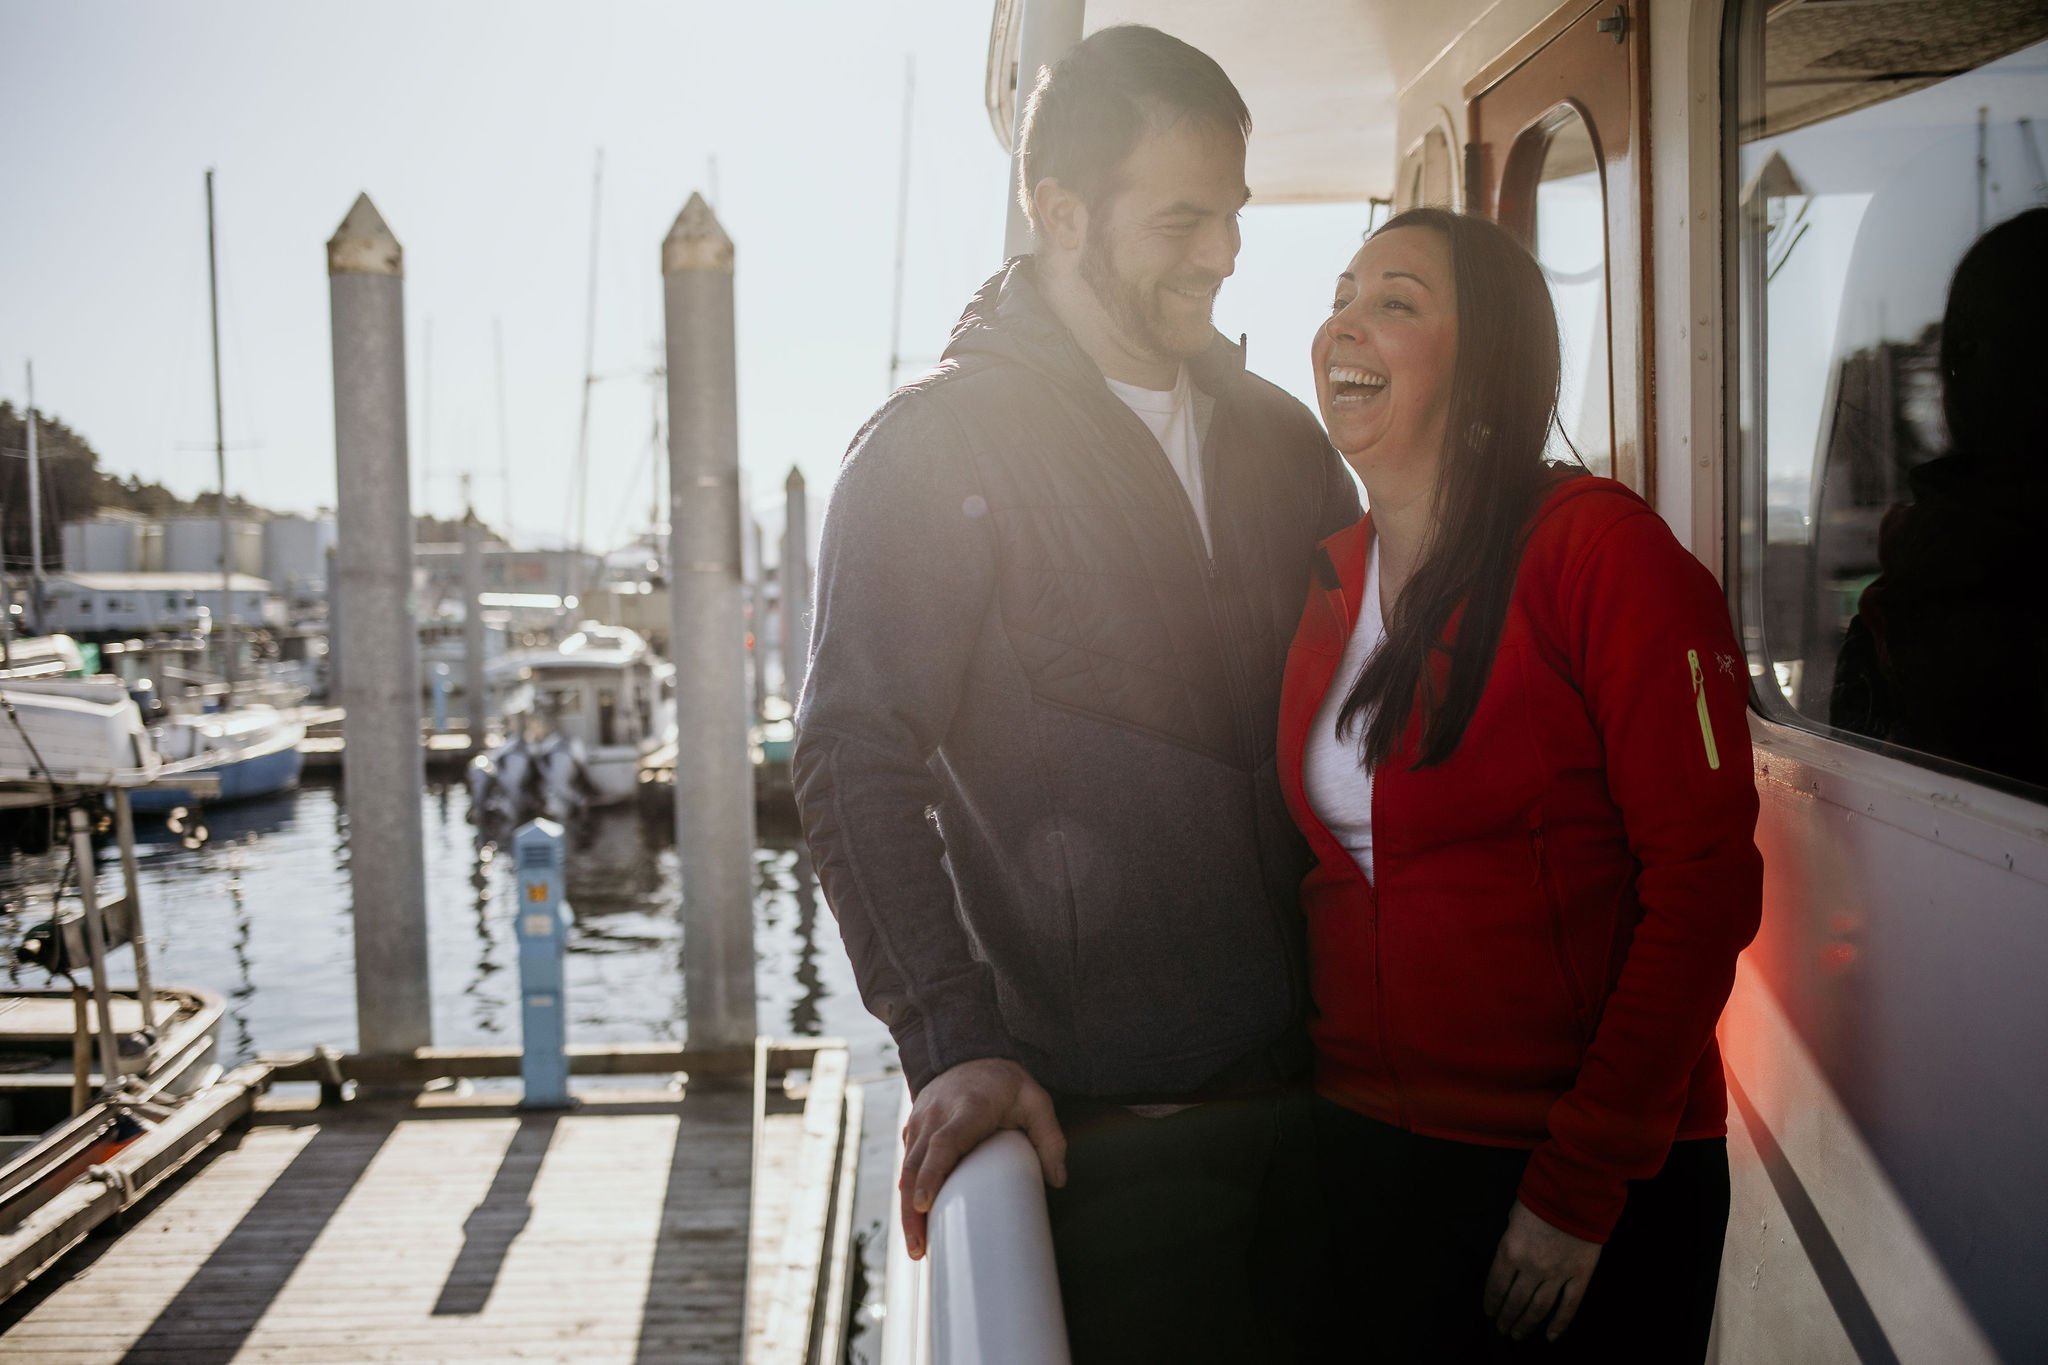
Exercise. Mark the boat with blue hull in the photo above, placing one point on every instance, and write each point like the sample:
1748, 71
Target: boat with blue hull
251, 751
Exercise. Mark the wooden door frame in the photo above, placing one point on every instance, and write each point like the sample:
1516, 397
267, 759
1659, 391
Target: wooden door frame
1546, 68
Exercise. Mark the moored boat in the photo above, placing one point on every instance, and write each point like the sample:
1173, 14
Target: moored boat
604, 694
252, 751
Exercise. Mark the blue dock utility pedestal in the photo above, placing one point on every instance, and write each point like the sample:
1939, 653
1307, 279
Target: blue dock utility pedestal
541, 920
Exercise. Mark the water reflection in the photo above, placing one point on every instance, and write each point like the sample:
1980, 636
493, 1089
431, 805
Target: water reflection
488, 1015
803, 1015
261, 914
244, 989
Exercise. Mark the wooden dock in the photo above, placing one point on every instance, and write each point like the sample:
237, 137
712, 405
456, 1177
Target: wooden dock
642, 1225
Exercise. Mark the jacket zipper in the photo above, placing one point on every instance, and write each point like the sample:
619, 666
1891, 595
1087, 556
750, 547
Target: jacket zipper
1699, 696
1191, 528
1372, 898
1238, 688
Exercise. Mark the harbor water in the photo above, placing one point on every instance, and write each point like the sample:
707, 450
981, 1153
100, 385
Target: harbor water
259, 911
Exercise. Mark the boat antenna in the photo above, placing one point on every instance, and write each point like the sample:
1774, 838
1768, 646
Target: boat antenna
902, 221
589, 382
220, 463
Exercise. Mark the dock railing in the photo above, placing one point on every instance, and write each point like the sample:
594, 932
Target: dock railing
987, 1291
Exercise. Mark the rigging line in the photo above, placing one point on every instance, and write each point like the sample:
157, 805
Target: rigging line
34, 756
627, 498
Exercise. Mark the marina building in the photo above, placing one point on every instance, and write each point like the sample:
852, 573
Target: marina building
99, 604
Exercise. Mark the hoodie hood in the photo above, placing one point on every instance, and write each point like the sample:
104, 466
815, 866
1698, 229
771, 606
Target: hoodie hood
1010, 319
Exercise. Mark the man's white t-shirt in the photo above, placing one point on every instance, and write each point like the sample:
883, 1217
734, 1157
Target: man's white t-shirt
1170, 416
1338, 784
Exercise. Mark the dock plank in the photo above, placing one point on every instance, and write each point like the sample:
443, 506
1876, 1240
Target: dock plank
383, 1231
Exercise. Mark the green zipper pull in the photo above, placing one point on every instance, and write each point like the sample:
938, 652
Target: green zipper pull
1699, 696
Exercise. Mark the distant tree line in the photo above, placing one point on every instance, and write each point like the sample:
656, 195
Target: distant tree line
75, 488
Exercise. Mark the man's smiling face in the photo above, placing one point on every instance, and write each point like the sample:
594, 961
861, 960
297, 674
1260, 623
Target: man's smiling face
1162, 242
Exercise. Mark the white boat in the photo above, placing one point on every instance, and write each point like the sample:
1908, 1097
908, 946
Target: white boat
46, 1138
69, 733
604, 693
251, 751
42, 657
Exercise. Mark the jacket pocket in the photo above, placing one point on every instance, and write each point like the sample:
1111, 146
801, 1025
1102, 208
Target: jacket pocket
1577, 998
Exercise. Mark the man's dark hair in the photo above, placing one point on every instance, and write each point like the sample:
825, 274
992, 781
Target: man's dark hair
1086, 111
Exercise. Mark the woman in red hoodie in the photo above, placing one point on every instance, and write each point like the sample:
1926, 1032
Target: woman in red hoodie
1514, 733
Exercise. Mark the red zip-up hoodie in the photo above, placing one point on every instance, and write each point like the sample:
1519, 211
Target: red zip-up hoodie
1559, 904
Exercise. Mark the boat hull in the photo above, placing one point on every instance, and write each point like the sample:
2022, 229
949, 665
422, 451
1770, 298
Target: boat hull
243, 777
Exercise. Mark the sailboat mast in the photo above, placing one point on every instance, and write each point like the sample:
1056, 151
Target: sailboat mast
220, 464
902, 222
504, 446
589, 380
35, 513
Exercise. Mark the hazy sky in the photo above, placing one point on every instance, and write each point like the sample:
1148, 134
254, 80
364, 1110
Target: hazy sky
474, 128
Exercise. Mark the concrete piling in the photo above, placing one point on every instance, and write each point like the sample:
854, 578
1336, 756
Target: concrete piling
714, 779
373, 571
1048, 31
796, 589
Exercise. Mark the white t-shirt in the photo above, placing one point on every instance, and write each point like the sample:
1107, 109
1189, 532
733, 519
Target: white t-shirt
1338, 785
1170, 416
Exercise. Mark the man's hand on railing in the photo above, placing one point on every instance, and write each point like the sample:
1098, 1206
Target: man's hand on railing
955, 1112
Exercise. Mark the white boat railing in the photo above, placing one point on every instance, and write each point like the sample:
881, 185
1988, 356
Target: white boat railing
987, 1291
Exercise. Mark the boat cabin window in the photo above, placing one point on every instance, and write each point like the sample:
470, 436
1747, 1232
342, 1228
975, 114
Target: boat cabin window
607, 715
1426, 173
1889, 214
1559, 127
1569, 239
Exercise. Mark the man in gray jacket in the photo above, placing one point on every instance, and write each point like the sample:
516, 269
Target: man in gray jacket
1036, 752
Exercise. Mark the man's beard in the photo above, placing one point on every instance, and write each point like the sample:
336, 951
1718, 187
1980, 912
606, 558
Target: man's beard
1134, 311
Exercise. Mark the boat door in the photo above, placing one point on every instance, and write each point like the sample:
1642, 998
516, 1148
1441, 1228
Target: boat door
1559, 155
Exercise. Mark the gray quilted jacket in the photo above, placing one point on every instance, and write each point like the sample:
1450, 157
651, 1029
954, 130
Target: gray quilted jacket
1035, 755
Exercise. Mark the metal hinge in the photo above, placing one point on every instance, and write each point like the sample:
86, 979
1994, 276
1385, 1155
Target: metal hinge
1615, 23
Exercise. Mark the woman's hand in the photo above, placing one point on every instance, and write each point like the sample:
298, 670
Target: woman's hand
1537, 1269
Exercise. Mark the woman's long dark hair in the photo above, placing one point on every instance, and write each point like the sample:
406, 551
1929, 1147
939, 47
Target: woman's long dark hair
1503, 400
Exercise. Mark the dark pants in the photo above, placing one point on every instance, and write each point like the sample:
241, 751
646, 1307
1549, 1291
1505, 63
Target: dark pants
1193, 1237
1415, 1221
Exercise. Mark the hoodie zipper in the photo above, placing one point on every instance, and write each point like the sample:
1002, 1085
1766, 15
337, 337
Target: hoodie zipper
1212, 577
1234, 682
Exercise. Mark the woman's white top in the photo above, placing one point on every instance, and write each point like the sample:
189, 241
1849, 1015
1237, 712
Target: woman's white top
1338, 785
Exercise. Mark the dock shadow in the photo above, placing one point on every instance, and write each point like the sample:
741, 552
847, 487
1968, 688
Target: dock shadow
498, 1219
236, 1284
699, 1269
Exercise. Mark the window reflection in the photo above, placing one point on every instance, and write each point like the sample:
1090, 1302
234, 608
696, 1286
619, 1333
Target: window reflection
1570, 243
1894, 433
